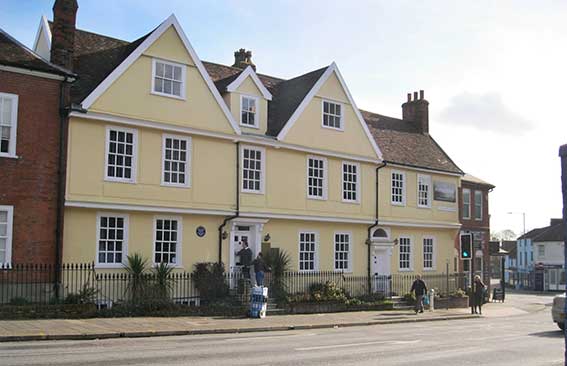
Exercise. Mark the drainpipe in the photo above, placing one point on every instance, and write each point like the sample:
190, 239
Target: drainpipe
369, 240
227, 219
61, 176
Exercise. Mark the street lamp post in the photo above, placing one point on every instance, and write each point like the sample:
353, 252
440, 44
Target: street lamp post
517, 246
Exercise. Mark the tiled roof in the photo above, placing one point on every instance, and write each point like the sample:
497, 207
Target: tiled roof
532, 233
96, 56
550, 233
401, 143
15, 54
472, 179
510, 247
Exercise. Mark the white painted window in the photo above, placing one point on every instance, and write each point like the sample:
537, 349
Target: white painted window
176, 162
167, 240
253, 167
423, 190
405, 253
249, 111
316, 177
351, 182
428, 253
332, 115
112, 240
168, 79
6, 225
8, 124
307, 251
121, 148
343, 248
398, 188
540, 251
478, 205
466, 203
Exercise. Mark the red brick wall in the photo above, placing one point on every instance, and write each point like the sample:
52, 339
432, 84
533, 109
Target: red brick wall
30, 182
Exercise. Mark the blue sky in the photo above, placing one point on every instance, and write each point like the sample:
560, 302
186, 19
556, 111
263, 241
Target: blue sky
493, 71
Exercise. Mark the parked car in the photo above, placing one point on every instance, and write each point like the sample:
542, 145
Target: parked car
558, 310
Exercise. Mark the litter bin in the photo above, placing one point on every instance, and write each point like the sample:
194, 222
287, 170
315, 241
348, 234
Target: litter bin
258, 302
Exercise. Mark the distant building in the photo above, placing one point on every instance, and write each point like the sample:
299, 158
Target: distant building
548, 252
511, 262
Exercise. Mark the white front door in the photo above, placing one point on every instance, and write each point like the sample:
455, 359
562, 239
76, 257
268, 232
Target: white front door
381, 268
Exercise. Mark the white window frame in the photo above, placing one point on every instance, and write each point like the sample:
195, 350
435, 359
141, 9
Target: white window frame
358, 182
9, 234
403, 175
433, 253
183, 79
540, 248
349, 253
475, 204
325, 177
425, 180
133, 176
256, 114
316, 252
466, 213
126, 219
188, 171
410, 264
178, 245
262, 172
13, 126
342, 116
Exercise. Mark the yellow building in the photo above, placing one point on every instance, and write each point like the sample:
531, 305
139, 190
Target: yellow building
183, 161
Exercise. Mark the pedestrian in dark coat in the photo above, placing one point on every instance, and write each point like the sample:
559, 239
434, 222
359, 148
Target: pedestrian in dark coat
245, 255
479, 289
260, 268
420, 289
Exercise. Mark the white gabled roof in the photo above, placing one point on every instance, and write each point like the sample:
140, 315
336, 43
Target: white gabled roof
314, 90
249, 72
115, 74
45, 32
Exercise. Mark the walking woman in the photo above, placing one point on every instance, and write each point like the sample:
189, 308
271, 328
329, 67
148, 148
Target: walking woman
479, 289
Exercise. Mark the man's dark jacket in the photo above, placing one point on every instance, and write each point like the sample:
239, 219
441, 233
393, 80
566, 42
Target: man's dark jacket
419, 287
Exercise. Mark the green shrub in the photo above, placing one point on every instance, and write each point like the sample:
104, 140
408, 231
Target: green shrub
329, 291
136, 267
459, 293
209, 279
279, 263
160, 288
19, 300
86, 295
409, 298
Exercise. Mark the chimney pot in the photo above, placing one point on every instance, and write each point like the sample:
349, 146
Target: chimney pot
243, 59
414, 96
421, 94
409, 97
417, 111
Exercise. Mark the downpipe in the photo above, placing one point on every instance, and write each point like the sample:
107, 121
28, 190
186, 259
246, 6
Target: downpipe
369, 238
227, 219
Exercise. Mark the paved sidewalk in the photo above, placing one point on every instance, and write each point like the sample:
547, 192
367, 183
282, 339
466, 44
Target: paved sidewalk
51, 329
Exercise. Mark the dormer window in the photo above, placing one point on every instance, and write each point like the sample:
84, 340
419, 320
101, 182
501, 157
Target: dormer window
168, 79
332, 115
249, 111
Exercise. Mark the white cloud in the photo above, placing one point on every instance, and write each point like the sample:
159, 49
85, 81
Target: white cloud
485, 112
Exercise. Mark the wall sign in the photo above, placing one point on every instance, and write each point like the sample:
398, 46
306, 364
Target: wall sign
443, 191
201, 231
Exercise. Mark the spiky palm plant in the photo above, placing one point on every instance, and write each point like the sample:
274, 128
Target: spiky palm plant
279, 263
136, 267
163, 281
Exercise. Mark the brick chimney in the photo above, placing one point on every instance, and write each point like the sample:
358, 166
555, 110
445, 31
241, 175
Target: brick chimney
63, 32
417, 111
243, 59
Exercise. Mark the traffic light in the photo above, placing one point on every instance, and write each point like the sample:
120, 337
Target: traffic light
466, 246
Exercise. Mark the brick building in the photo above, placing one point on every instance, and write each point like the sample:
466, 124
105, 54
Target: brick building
475, 219
30, 153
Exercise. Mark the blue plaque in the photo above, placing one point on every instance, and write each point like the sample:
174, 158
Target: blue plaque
201, 231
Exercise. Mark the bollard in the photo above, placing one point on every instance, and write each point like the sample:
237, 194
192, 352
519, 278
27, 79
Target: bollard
431, 300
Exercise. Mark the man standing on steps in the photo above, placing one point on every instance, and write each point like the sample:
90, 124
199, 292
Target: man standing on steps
420, 289
245, 255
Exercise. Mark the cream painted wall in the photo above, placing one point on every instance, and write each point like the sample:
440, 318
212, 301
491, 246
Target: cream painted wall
308, 130
130, 95
286, 188
248, 88
440, 211
212, 173
80, 236
285, 236
42, 48
444, 252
